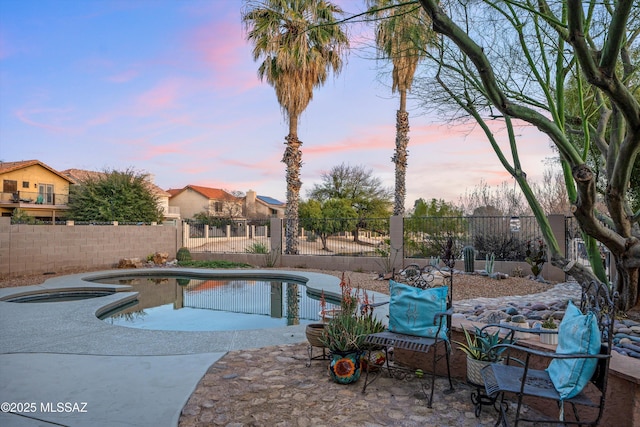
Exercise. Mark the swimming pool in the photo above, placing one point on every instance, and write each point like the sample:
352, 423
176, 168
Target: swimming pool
196, 303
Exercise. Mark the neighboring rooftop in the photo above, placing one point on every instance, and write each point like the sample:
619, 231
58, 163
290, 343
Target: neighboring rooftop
209, 193
270, 200
79, 175
6, 167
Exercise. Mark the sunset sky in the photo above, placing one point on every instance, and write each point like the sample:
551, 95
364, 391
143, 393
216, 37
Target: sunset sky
170, 88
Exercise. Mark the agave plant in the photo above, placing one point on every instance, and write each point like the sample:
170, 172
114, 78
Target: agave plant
481, 345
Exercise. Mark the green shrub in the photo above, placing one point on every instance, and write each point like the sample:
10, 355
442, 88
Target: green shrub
183, 254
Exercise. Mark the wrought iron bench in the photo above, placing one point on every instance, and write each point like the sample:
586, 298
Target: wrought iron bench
423, 279
561, 381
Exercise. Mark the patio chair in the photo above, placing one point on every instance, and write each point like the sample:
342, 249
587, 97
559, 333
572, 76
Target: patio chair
419, 320
579, 364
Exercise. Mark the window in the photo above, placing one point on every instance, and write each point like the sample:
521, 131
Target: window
9, 186
25, 184
46, 191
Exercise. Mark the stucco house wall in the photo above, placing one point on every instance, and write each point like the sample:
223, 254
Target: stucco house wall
30, 177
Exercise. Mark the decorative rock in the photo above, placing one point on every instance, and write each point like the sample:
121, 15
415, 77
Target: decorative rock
494, 316
160, 258
536, 307
511, 310
130, 263
535, 315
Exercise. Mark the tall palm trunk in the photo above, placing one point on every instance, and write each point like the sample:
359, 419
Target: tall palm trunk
293, 159
400, 155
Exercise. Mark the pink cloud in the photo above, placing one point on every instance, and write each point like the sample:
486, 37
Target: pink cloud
52, 114
222, 47
161, 97
348, 145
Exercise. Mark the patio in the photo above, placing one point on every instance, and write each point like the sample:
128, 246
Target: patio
272, 387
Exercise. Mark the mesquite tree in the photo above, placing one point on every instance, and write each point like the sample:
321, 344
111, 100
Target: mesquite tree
519, 68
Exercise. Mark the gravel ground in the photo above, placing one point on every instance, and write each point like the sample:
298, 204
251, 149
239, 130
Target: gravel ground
465, 286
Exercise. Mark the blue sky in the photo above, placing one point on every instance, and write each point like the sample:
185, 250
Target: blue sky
169, 88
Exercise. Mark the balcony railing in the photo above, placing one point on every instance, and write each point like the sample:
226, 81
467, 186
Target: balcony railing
33, 197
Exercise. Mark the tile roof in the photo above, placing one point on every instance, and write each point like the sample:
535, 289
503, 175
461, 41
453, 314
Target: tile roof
79, 175
6, 167
209, 193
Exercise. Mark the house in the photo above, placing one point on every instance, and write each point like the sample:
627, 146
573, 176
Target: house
34, 188
194, 199
79, 175
256, 206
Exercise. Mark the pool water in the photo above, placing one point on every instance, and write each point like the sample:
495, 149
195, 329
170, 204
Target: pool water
202, 304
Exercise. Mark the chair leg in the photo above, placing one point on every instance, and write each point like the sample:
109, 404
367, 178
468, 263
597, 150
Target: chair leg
446, 349
367, 370
366, 376
310, 353
502, 412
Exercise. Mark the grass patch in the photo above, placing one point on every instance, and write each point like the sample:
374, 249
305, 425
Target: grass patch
213, 264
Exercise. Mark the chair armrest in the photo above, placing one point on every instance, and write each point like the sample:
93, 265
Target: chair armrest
441, 314
507, 326
551, 354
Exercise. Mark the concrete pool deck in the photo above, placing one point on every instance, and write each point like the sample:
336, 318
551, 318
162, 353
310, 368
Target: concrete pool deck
66, 367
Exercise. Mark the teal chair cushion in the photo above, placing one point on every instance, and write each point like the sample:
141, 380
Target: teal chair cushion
577, 333
412, 310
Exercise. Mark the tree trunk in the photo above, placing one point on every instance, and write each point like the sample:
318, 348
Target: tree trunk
323, 239
293, 159
400, 155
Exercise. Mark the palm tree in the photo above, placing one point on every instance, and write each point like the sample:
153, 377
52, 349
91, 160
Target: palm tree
402, 38
298, 44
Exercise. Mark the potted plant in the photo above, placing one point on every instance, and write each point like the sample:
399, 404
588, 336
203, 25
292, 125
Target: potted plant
314, 331
549, 338
480, 351
344, 334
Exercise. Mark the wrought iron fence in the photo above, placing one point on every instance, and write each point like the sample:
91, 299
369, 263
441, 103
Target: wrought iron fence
344, 236
505, 237
229, 236
425, 237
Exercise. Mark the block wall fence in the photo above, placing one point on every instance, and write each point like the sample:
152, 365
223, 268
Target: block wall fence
39, 249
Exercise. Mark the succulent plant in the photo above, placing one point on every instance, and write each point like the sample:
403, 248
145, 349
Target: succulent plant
480, 345
183, 254
549, 323
469, 254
